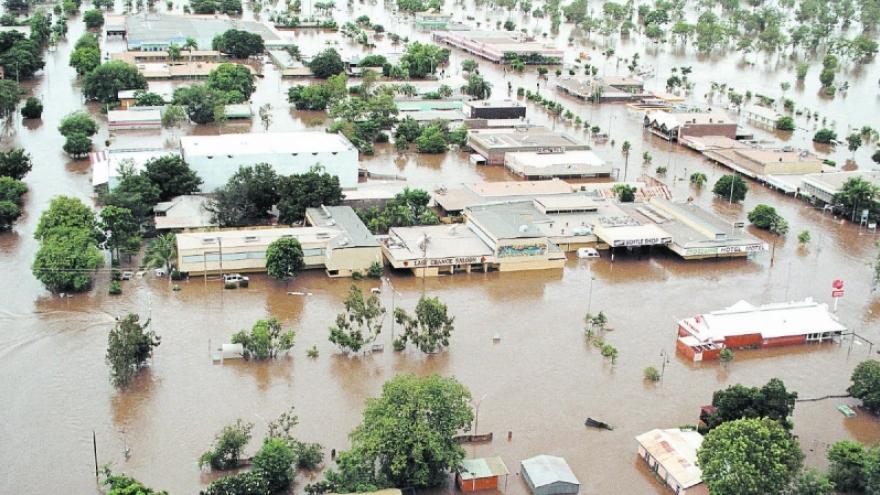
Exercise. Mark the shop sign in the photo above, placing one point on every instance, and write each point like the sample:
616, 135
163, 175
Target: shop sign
648, 241
446, 261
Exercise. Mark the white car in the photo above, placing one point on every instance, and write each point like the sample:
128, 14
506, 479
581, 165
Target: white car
233, 278
587, 253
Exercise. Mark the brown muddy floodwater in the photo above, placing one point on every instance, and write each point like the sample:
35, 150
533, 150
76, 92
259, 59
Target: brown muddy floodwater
540, 381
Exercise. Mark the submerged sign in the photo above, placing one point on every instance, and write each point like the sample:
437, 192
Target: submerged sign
446, 261
703, 251
648, 241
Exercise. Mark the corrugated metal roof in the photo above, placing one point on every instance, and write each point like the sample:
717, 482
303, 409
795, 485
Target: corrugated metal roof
344, 217
547, 469
482, 468
676, 451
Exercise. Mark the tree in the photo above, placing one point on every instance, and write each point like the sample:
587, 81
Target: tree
358, 325
804, 237
652, 373
123, 485
123, 234
726, 355
21, 60
786, 123
469, 65
247, 197
274, 463
129, 346
78, 122
809, 481
174, 116
33, 108
749, 457
858, 193
846, 465
230, 78
327, 63
161, 252
12, 190
10, 95
107, 80
422, 59
266, 116
228, 446
431, 140
429, 328
477, 87
309, 190
135, 192
172, 176
284, 259
85, 60
406, 437
66, 260
785, 86
66, 214
265, 340
9, 213
698, 179
77, 145
866, 385
144, 98
824, 136
239, 44
731, 187
199, 101
93, 18
854, 142
771, 401
15, 163
763, 216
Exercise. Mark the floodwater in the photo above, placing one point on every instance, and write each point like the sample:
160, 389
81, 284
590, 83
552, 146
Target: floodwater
538, 383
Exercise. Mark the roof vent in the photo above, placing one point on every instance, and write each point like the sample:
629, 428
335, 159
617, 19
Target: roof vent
343, 242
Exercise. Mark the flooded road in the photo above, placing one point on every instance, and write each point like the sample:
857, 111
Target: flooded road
541, 380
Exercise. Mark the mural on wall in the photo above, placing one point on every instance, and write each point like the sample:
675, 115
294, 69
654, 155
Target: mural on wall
524, 250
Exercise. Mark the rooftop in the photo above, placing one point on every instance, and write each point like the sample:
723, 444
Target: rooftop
499, 139
673, 120
833, 182
510, 220
676, 451
105, 163
770, 320
547, 469
134, 115
159, 28
482, 468
230, 239
494, 103
443, 241
490, 190
767, 156
265, 142
763, 112
183, 212
345, 217
543, 160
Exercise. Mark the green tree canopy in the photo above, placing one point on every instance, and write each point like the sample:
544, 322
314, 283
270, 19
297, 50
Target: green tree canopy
327, 63
144, 98
15, 163
21, 60
107, 80
737, 402
230, 78
200, 102
239, 44
405, 438
93, 18
858, 194
846, 466
866, 385
284, 259
731, 187
67, 213
85, 60
749, 457
429, 328
359, 325
228, 446
824, 136
33, 108
172, 176
135, 192
265, 340
422, 59
786, 123
810, 482
129, 345
78, 122
10, 95
66, 260
123, 233
763, 216
161, 252
309, 190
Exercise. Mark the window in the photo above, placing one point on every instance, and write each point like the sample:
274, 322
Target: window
194, 258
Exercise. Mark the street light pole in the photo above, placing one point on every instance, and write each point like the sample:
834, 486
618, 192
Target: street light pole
590, 298
393, 293
665, 357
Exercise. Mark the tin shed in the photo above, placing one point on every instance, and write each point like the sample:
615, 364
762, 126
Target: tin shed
549, 475
480, 474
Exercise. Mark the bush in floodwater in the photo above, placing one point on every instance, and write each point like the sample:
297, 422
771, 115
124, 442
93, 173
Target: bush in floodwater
652, 374
230, 285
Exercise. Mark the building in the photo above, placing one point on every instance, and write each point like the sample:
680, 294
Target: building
432, 20
183, 212
762, 115
672, 455
759, 163
501, 46
106, 164
127, 98
743, 325
150, 31
480, 474
549, 475
608, 88
430, 250
337, 242
824, 187
494, 109
493, 144
532, 165
139, 57
512, 233
674, 126
134, 118
452, 202
216, 158
238, 111
697, 233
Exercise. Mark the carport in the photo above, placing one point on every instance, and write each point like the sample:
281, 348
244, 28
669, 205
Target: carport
549, 475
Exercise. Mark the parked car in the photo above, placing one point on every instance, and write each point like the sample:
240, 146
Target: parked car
587, 253
233, 278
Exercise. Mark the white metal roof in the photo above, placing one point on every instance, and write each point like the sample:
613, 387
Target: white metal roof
263, 143
548, 469
676, 451
576, 157
770, 320
482, 468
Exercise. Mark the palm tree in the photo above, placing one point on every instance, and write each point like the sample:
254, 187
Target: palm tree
477, 87
857, 192
161, 252
190, 45
174, 52
407, 90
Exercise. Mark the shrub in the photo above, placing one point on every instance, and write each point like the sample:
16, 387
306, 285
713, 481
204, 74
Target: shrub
652, 374
115, 288
115, 275
313, 352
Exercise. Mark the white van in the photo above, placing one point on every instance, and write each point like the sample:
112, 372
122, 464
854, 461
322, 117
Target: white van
587, 253
233, 278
